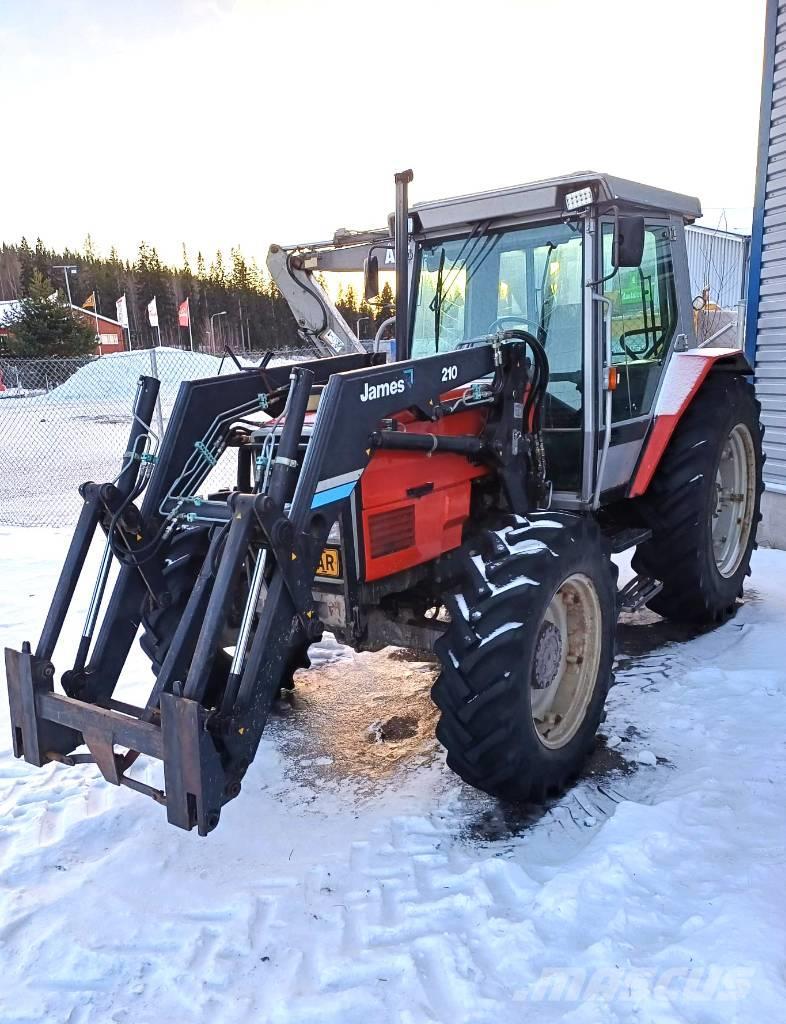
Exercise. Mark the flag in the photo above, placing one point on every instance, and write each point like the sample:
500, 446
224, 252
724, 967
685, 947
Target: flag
90, 301
122, 311
183, 314
152, 312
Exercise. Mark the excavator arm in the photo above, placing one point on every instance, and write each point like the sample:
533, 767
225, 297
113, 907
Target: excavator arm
294, 271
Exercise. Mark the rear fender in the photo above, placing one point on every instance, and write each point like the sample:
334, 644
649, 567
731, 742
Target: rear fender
684, 376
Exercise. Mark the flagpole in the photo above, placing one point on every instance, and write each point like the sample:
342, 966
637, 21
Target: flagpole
127, 325
157, 324
190, 335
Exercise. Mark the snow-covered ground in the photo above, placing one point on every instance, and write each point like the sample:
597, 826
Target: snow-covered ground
355, 879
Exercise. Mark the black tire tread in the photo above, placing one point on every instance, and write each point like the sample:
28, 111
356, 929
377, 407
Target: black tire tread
478, 692
674, 507
185, 556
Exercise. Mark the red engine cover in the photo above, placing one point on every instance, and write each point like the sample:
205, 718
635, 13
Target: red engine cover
414, 505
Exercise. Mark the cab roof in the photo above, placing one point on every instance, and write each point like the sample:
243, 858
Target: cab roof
549, 196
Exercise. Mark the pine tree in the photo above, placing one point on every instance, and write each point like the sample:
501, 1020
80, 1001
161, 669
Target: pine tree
45, 327
217, 272
365, 319
199, 313
26, 267
240, 279
9, 272
42, 258
387, 304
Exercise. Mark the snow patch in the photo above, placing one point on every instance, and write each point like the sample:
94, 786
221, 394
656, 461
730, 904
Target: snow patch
544, 524
481, 566
117, 374
682, 373
529, 547
518, 581
506, 628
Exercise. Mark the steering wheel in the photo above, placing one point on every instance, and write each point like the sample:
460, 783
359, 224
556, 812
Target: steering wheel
637, 357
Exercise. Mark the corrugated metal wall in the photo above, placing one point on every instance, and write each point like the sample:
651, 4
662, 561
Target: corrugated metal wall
717, 260
766, 339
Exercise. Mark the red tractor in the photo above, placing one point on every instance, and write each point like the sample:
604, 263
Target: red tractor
547, 408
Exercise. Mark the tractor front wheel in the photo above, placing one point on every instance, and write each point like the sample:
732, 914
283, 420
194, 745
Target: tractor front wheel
527, 658
185, 553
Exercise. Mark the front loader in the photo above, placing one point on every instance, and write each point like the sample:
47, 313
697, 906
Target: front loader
549, 409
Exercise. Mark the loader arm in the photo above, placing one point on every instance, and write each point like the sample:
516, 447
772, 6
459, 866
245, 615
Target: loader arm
207, 740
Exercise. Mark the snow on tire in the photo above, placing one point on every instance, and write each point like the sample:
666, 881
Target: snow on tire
527, 657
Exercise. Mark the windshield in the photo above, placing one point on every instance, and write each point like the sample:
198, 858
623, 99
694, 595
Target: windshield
494, 280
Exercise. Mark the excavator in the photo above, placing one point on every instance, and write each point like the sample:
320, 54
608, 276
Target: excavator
461, 490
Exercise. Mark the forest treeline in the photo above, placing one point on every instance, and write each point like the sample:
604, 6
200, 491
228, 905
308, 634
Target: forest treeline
256, 316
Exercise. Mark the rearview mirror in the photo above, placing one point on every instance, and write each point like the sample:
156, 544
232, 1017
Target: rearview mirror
628, 247
370, 278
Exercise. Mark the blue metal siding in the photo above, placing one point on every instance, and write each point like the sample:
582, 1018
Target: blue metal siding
765, 341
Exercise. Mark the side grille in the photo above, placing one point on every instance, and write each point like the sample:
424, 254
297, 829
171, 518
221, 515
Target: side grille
392, 531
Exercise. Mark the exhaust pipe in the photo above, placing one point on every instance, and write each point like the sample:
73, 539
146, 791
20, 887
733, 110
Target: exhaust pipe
403, 178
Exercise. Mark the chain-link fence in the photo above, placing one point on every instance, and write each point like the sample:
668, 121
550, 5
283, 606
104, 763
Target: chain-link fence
64, 421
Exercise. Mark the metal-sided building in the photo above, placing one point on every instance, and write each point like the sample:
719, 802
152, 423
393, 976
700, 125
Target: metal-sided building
766, 320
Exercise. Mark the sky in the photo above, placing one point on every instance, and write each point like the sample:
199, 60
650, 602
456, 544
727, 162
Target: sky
245, 122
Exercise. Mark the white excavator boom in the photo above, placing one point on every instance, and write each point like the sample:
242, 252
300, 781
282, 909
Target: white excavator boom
294, 272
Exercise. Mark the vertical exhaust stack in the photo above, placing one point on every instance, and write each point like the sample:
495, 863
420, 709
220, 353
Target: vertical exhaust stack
403, 178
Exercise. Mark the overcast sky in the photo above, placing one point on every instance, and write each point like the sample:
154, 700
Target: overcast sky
218, 122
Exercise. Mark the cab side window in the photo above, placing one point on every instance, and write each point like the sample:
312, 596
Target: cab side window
643, 319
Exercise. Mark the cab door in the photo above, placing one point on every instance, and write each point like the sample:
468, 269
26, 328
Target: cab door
645, 325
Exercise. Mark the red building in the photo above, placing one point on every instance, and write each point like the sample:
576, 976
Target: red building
109, 332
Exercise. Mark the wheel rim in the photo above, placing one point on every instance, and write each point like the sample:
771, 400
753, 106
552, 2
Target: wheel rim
565, 666
735, 487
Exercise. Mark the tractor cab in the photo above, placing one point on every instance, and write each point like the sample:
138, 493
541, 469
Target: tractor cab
593, 267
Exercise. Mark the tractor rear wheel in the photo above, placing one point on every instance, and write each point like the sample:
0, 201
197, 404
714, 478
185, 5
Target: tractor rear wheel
527, 657
703, 505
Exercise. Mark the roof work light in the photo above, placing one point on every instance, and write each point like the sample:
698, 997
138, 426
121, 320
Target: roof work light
579, 199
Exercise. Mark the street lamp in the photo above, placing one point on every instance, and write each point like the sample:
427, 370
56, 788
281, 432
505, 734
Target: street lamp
67, 269
212, 326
